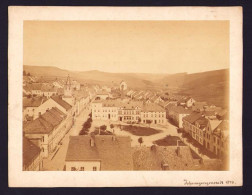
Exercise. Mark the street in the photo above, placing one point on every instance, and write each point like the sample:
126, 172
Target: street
56, 161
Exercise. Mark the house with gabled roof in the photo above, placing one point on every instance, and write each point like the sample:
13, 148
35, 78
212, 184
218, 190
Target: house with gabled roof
47, 130
31, 106
186, 101
99, 153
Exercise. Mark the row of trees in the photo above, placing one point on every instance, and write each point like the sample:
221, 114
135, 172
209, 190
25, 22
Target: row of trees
102, 130
86, 126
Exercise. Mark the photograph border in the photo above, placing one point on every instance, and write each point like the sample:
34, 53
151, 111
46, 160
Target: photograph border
115, 178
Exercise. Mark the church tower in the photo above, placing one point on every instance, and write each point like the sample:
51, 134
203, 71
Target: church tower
68, 88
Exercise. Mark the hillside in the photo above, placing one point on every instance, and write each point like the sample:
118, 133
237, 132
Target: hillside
211, 86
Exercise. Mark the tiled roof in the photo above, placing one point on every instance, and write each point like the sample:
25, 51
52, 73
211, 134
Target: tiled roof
35, 86
152, 107
113, 154
181, 110
30, 151
192, 117
45, 123
33, 101
48, 88
61, 102
202, 122
145, 158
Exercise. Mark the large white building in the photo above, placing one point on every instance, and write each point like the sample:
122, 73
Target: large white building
129, 112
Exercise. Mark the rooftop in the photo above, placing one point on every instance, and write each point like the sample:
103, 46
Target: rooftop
45, 123
113, 154
153, 158
152, 107
33, 101
30, 151
61, 102
192, 117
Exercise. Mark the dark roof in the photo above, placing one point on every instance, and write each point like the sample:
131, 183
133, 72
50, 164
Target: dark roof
30, 151
145, 158
33, 101
113, 154
181, 110
45, 123
202, 122
61, 102
192, 117
34, 86
152, 107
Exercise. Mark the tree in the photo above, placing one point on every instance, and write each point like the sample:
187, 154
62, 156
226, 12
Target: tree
112, 126
140, 140
28, 74
103, 127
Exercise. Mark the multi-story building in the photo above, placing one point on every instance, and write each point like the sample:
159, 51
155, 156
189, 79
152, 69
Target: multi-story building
105, 109
47, 130
130, 111
177, 113
153, 113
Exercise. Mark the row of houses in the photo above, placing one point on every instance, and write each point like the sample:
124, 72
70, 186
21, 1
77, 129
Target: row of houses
147, 96
212, 134
46, 120
128, 111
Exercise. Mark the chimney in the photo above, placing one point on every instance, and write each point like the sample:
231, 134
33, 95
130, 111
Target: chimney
92, 143
92, 140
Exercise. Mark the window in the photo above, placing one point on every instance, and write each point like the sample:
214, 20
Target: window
82, 168
73, 169
94, 168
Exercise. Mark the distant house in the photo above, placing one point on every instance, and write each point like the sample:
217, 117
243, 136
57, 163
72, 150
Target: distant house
199, 106
32, 157
47, 130
177, 113
36, 88
99, 153
31, 107
189, 122
153, 113
123, 86
187, 101
163, 158
102, 95
48, 90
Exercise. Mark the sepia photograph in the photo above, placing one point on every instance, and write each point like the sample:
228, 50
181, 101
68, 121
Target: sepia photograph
126, 95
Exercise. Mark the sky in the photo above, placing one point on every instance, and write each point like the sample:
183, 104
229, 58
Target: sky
128, 46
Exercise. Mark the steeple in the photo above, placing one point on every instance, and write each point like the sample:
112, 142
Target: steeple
68, 88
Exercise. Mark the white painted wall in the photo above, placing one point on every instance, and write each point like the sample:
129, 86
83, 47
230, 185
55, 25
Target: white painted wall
88, 165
